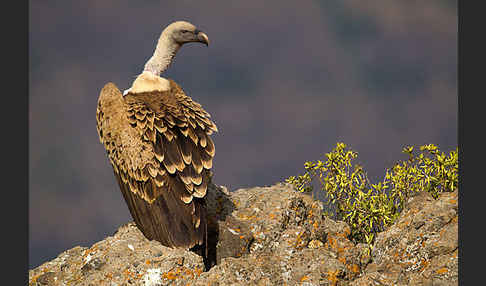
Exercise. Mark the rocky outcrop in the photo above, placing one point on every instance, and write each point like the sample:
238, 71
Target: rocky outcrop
420, 248
274, 236
126, 258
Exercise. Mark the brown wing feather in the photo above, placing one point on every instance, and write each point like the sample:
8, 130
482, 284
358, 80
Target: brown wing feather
173, 154
151, 142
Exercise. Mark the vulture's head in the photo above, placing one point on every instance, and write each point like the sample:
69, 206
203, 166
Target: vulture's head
184, 32
171, 39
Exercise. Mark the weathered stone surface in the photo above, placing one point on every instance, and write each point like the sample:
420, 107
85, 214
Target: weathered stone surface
421, 248
274, 236
126, 258
234, 239
289, 245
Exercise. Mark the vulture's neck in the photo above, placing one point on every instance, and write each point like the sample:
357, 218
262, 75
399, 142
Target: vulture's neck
163, 55
150, 80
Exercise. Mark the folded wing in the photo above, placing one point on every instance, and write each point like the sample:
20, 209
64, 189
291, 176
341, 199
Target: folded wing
159, 146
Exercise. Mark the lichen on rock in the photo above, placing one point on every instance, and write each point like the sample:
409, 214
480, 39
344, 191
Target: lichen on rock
274, 236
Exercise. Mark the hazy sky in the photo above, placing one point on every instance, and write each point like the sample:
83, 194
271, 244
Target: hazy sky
283, 80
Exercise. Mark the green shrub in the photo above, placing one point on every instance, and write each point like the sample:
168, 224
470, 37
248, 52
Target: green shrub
370, 208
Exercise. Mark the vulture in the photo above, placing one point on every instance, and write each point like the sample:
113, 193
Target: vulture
157, 140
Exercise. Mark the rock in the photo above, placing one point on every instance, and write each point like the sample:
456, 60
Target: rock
420, 248
126, 258
274, 236
47, 278
234, 239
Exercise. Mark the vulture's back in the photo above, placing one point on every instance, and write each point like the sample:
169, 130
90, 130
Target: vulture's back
159, 146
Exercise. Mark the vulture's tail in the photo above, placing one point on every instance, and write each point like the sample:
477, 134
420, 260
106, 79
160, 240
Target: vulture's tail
168, 219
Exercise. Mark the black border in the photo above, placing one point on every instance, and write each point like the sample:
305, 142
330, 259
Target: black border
15, 144
471, 81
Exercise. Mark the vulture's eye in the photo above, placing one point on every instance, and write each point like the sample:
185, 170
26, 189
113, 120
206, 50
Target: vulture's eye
185, 31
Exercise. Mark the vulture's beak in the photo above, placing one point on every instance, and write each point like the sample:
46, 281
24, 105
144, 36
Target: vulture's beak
201, 37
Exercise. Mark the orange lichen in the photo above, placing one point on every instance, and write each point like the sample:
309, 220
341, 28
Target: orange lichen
442, 270
198, 271
246, 217
170, 275
354, 268
34, 279
127, 273
331, 241
340, 249
89, 251
395, 254
147, 262
298, 241
178, 272
332, 277
304, 278
424, 263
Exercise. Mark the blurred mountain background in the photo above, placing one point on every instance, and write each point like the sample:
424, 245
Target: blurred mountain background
283, 80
